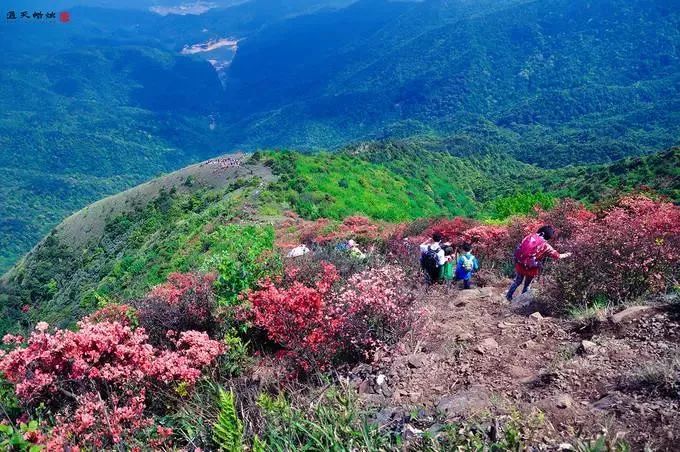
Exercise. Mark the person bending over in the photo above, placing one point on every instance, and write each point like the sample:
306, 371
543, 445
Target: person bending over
529, 256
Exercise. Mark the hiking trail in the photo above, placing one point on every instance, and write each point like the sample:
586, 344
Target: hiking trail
471, 353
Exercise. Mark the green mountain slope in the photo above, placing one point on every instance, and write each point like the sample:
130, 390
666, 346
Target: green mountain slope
209, 216
126, 243
108, 101
659, 172
570, 81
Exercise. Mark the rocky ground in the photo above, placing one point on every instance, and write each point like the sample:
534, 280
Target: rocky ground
472, 354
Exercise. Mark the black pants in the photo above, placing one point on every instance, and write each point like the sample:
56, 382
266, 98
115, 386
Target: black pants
518, 282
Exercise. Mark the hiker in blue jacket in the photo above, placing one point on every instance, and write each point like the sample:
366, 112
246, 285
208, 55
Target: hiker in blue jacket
467, 264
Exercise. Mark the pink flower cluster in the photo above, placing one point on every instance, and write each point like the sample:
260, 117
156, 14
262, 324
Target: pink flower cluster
181, 286
632, 249
375, 307
488, 243
102, 371
317, 323
624, 251
185, 302
121, 313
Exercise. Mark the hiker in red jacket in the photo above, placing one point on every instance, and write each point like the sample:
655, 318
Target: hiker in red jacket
529, 256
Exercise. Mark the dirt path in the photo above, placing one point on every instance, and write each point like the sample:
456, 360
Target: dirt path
472, 353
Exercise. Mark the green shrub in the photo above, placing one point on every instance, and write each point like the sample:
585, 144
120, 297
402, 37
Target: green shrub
242, 256
14, 438
332, 421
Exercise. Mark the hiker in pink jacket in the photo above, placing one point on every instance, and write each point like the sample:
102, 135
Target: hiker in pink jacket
529, 256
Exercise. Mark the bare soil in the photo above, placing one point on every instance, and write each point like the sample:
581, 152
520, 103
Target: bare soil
472, 353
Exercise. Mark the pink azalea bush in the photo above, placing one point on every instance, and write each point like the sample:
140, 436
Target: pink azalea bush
374, 305
625, 251
490, 244
316, 324
95, 380
185, 302
630, 250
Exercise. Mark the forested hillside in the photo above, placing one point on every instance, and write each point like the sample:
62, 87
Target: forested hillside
103, 103
275, 299
124, 245
556, 82
112, 99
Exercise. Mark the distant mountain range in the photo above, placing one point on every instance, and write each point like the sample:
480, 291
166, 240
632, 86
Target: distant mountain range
108, 100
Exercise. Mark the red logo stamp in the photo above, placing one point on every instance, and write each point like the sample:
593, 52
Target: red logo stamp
64, 16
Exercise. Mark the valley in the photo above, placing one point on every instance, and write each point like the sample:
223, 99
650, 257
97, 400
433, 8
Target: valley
126, 86
269, 225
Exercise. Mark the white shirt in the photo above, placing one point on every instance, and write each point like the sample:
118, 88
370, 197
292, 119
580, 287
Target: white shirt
441, 257
298, 251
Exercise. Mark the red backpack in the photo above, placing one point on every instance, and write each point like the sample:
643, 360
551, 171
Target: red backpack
526, 253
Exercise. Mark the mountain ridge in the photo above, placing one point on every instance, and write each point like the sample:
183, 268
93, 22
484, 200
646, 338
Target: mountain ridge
108, 101
114, 248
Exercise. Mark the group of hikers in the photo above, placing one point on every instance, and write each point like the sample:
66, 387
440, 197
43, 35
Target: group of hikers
441, 262
437, 261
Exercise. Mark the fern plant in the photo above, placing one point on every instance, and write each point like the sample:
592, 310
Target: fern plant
228, 430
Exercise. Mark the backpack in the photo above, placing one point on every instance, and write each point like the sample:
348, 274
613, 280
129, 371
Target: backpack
527, 251
468, 264
429, 261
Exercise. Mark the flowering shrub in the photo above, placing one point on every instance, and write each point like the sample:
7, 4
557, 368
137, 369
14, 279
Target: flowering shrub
631, 250
625, 251
356, 227
95, 380
318, 323
185, 302
374, 305
295, 230
451, 230
121, 313
295, 317
490, 244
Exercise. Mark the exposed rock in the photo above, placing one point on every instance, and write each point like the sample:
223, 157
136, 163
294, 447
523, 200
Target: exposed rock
365, 388
607, 402
464, 336
523, 300
411, 432
385, 415
536, 317
487, 345
518, 372
380, 380
416, 361
465, 402
529, 344
435, 429
630, 313
530, 380
485, 292
588, 347
564, 401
